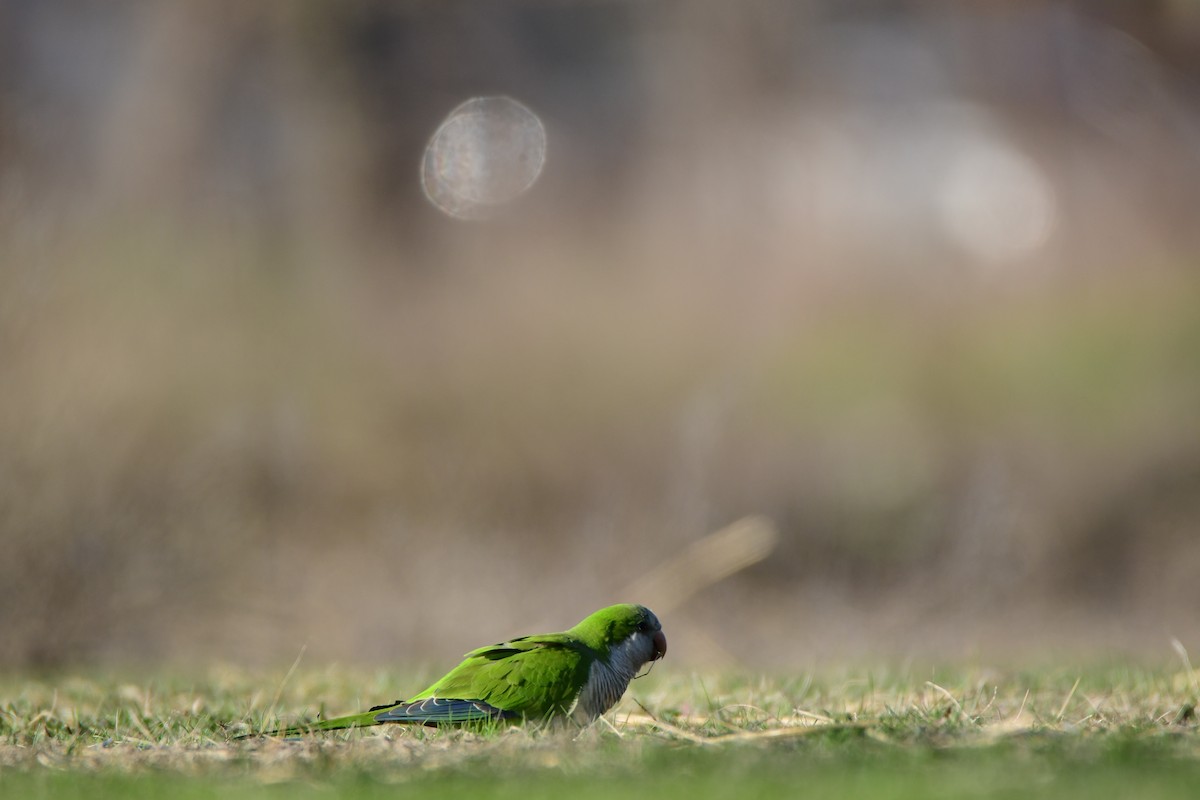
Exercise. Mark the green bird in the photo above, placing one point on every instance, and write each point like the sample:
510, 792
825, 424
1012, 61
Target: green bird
577, 675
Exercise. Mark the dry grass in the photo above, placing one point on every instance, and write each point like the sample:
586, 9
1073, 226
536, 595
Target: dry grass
89, 724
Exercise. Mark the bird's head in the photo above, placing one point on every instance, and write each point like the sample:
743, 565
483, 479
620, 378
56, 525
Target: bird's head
632, 629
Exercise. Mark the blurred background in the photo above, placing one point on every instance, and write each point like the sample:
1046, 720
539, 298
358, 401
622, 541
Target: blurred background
915, 284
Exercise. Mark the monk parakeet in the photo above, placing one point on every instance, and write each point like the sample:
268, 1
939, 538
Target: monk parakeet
577, 674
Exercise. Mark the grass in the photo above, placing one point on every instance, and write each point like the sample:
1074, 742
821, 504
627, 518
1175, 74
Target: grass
895, 733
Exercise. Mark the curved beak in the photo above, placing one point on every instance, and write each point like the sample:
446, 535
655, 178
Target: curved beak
660, 644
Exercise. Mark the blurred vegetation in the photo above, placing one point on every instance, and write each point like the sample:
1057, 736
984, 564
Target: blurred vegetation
259, 394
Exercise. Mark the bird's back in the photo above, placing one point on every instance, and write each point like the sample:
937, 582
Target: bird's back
534, 677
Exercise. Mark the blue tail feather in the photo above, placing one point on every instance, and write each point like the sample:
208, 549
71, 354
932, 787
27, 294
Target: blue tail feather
437, 710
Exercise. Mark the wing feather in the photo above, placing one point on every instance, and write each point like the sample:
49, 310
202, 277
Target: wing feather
533, 676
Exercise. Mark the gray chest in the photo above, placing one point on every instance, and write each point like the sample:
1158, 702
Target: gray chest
607, 681
601, 692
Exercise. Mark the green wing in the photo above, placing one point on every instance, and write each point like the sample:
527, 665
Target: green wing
534, 676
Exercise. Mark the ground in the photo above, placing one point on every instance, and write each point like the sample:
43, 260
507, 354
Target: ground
1103, 731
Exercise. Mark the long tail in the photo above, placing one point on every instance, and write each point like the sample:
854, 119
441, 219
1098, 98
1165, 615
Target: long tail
430, 711
337, 723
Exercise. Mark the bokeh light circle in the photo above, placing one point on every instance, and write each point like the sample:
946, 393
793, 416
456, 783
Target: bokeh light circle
485, 154
996, 203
